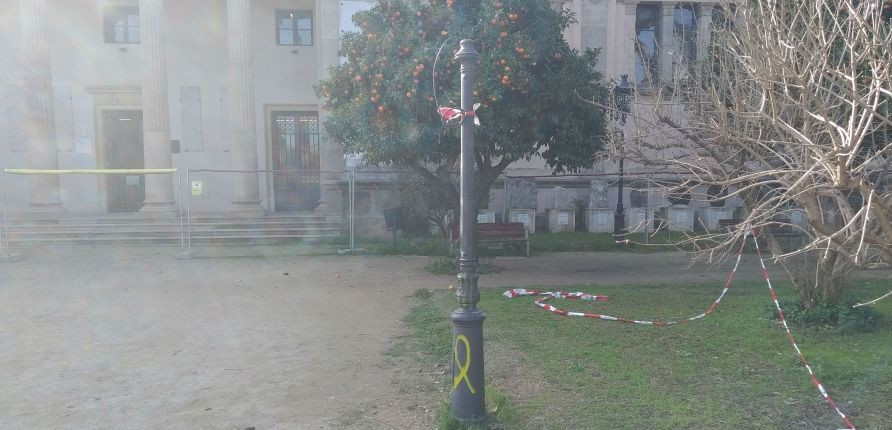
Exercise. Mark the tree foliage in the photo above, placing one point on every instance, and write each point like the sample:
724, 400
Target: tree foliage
383, 103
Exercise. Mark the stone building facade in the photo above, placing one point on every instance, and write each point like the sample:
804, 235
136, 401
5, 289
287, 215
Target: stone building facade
204, 84
228, 85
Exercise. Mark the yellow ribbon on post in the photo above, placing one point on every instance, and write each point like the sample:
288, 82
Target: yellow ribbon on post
463, 367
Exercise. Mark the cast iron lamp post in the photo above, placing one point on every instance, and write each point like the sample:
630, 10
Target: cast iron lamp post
468, 391
621, 96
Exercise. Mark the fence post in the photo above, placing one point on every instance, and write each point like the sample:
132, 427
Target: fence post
506, 215
352, 195
185, 253
647, 220
4, 250
179, 178
189, 214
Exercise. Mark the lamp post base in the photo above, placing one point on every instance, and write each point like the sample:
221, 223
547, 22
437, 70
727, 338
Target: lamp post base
619, 226
468, 387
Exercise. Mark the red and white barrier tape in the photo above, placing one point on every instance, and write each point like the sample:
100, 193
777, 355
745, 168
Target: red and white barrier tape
518, 292
780, 312
545, 295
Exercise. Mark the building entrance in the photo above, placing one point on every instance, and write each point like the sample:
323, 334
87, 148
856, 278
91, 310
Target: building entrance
122, 135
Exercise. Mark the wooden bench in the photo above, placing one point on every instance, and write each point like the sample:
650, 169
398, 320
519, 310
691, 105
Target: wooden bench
728, 223
512, 232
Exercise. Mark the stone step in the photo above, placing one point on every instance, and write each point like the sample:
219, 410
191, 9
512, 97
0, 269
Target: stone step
20, 235
162, 240
138, 219
139, 229
171, 225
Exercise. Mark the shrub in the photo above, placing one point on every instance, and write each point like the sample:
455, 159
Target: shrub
421, 293
839, 317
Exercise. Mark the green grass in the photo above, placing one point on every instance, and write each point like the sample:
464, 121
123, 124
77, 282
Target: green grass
735, 369
448, 266
539, 242
433, 246
584, 241
501, 414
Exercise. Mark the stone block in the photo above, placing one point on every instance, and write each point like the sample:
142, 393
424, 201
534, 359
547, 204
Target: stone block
486, 217
598, 194
522, 193
599, 220
561, 220
711, 216
638, 218
526, 216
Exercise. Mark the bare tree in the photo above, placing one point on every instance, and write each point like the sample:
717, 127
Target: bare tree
790, 111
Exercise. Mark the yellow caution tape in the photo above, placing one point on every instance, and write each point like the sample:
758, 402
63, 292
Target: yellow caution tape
89, 171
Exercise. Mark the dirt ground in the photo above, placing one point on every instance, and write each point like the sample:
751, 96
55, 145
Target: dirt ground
133, 338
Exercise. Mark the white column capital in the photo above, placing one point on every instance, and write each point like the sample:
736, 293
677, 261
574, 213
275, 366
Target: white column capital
631, 7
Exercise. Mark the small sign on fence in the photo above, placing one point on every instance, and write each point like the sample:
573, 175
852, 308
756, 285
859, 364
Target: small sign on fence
197, 188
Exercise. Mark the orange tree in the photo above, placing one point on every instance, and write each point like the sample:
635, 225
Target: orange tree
382, 99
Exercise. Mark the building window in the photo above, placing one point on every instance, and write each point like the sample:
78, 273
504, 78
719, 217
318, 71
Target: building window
121, 24
294, 27
721, 19
685, 31
647, 44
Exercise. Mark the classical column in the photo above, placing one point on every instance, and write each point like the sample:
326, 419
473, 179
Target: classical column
331, 156
243, 135
39, 122
155, 116
610, 44
704, 30
667, 44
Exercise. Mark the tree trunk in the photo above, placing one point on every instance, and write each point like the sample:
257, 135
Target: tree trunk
818, 277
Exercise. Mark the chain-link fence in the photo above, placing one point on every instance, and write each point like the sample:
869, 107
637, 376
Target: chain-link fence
345, 210
382, 202
263, 207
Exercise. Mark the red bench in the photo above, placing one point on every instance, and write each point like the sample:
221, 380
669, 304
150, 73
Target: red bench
512, 232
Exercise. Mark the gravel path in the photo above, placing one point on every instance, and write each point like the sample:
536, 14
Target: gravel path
132, 338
